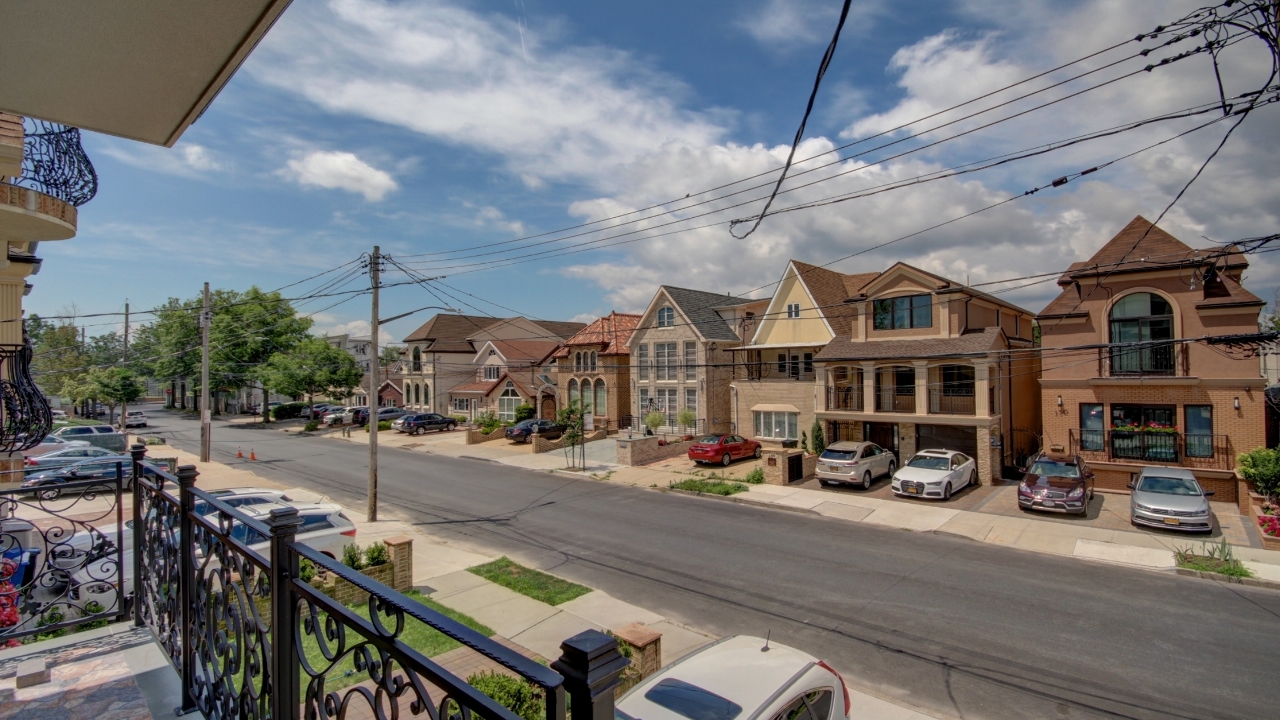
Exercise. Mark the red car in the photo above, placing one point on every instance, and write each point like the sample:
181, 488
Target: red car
723, 449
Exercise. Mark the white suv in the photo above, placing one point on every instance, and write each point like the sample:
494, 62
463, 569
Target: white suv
135, 418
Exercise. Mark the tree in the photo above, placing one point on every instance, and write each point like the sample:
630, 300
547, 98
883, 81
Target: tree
388, 356
113, 386
524, 412
571, 418
653, 420
687, 418
1262, 468
819, 438
58, 356
312, 366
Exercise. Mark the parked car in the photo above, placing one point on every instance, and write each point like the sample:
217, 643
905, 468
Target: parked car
241, 497
418, 423
723, 449
318, 410
58, 415
64, 456
740, 678
51, 443
103, 436
523, 431
855, 463
935, 473
46, 482
1170, 498
134, 418
390, 413
1056, 482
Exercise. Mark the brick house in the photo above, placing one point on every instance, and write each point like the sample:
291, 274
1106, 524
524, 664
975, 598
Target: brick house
593, 368
507, 373
1144, 395
930, 363
682, 359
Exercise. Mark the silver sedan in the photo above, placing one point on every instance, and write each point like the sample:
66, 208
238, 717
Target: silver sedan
1170, 498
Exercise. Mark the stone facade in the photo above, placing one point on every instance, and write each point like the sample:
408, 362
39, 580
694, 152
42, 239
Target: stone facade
645, 450
777, 462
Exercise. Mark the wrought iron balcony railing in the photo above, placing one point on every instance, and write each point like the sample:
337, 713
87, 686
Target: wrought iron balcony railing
1191, 449
889, 399
55, 164
25, 418
845, 397
1145, 359
951, 401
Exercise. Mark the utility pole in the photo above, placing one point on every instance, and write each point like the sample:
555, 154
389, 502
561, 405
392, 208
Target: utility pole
206, 319
371, 513
124, 405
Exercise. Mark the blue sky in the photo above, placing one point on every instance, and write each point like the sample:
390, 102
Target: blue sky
432, 127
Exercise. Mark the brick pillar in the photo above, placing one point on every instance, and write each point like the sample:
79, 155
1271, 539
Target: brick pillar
984, 454
400, 548
646, 646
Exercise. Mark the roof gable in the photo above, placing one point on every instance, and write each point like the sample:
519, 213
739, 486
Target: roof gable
447, 332
613, 331
699, 310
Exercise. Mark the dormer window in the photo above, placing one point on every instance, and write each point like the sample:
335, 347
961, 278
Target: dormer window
666, 317
491, 372
911, 311
793, 310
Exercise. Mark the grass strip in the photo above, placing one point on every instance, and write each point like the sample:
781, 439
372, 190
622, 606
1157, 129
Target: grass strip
417, 635
527, 581
708, 487
1230, 568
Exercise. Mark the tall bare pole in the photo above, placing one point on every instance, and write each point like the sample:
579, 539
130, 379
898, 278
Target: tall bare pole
206, 319
371, 514
124, 406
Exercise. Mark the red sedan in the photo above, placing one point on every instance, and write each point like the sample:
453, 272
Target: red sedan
723, 449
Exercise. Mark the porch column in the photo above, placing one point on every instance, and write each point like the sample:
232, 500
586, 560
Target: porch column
981, 383
868, 387
922, 386
821, 402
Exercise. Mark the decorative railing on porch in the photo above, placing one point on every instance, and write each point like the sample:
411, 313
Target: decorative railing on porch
951, 401
890, 399
1192, 450
224, 597
844, 397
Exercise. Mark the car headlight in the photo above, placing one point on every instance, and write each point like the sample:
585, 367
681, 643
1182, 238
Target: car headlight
1140, 506
1076, 494
934, 484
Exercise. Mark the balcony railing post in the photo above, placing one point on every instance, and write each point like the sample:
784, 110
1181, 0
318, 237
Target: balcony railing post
285, 692
187, 475
138, 451
591, 666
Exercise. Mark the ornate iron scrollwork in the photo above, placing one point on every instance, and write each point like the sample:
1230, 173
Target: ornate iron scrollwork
27, 419
54, 163
158, 590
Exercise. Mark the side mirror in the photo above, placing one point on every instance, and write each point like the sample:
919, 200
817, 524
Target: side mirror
1209, 492
1022, 470
1129, 485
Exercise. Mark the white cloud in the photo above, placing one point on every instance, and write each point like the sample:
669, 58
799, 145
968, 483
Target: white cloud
584, 318
787, 24
185, 159
339, 170
461, 77
328, 325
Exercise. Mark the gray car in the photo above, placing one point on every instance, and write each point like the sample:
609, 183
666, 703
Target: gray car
1170, 498
856, 463
65, 456
103, 436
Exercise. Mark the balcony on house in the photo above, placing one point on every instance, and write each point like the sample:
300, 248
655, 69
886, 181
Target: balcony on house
55, 177
896, 389
952, 390
845, 397
1145, 359
1154, 446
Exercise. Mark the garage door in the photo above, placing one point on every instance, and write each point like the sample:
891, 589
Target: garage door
947, 437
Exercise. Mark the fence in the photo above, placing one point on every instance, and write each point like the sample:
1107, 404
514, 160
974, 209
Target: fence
252, 640
1193, 450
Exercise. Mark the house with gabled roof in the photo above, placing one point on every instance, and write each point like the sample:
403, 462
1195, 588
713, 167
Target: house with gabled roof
592, 369
681, 356
1155, 384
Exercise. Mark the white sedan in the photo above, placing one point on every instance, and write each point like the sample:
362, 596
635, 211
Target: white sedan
739, 678
936, 474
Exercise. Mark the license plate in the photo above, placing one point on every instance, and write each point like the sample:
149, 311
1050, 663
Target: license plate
1172, 521
1048, 503
913, 491
833, 468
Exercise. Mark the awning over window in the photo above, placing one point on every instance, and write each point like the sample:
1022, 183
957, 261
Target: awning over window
775, 408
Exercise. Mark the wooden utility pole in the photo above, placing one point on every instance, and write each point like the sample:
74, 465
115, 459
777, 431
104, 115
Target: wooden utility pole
206, 319
371, 513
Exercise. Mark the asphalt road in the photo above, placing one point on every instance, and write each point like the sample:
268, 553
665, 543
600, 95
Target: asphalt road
962, 628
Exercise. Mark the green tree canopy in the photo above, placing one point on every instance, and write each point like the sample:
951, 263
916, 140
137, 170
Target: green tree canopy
59, 359
311, 367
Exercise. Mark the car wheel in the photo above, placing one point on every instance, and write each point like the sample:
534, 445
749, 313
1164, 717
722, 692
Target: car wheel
824, 483
946, 492
329, 554
759, 451
726, 459
973, 477
450, 427
866, 480
893, 467
49, 494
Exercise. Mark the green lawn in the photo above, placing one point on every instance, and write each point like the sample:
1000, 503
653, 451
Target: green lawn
1230, 567
419, 636
710, 487
527, 581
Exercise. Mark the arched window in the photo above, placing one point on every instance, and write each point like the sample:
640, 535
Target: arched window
417, 359
573, 392
577, 362
666, 317
602, 399
426, 394
417, 394
593, 361
587, 397
507, 403
1142, 318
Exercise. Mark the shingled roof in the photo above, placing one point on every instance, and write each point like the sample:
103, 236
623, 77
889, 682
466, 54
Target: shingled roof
974, 342
561, 329
613, 331
830, 289
449, 333
699, 307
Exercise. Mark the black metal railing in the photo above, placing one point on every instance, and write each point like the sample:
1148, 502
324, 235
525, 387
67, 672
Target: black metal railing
844, 397
1145, 446
61, 551
54, 163
25, 418
1195, 450
1146, 359
951, 401
890, 400
253, 640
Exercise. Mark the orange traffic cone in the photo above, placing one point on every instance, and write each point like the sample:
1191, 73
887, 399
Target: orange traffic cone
252, 456
239, 452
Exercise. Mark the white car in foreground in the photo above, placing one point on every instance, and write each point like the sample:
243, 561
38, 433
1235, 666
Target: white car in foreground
935, 474
739, 678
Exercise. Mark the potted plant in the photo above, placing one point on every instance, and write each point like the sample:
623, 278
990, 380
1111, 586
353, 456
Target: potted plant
653, 420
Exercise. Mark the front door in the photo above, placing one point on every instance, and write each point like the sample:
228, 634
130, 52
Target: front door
883, 434
548, 408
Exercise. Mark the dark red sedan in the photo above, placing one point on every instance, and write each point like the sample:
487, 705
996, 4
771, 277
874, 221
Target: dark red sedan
723, 449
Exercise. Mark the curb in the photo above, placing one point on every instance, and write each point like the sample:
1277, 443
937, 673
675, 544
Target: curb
738, 500
1218, 577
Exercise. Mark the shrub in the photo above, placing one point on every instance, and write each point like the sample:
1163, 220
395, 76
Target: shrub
515, 694
819, 438
524, 412
1262, 468
376, 554
287, 411
687, 418
804, 442
654, 419
488, 422
462, 419
93, 607
311, 426
382, 425
352, 556
306, 570
1217, 558
708, 487
755, 477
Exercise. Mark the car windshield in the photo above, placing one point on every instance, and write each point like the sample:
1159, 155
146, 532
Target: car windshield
709, 439
1170, 486
692, 701
839, 454
930, 462
1049, 468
